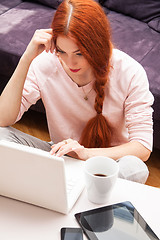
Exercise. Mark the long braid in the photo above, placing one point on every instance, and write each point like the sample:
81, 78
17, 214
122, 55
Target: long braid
99, 134
98, 86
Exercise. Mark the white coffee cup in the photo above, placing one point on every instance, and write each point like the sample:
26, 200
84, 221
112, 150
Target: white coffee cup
100, 175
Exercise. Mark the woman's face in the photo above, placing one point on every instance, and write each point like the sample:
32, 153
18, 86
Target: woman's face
71, 58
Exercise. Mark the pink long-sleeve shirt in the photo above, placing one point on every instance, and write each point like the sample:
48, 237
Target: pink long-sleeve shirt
127, 103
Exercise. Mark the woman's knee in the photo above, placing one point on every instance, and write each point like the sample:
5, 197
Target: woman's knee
132, 168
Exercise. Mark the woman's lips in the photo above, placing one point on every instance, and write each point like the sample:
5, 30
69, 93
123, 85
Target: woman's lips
74, 70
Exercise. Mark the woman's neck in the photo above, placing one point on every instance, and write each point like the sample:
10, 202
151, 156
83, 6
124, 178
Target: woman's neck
83, 79
80, 79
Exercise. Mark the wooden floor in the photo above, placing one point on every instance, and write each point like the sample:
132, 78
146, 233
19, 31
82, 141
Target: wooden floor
35, 124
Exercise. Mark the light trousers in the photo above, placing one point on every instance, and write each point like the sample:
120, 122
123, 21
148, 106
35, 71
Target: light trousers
130, 167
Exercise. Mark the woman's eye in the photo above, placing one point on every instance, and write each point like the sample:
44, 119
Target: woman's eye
79, 54
60, 51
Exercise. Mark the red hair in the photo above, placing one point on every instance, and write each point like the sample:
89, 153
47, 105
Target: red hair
86, 22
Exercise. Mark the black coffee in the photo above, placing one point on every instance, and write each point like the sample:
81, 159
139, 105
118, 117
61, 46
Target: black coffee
100, 175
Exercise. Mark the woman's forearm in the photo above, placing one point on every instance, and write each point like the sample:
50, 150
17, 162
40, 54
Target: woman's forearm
74, 149
131, 148
10, 99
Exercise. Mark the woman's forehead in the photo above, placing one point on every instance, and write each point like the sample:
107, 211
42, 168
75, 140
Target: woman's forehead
67, 44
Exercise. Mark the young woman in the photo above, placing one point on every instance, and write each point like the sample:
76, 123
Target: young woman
97, 98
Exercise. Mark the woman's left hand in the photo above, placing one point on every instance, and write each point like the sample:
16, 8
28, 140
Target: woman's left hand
70, 147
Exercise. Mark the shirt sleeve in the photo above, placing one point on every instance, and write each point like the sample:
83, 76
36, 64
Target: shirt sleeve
31, 92
138, 110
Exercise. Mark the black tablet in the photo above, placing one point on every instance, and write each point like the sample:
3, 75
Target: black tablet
115, 222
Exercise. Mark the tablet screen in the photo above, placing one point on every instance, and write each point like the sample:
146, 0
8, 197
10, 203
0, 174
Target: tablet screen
119, 221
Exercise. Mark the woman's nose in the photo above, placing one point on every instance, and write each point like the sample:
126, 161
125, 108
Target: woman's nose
71, 61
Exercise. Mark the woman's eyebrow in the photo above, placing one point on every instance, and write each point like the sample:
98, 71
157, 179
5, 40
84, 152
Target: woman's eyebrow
76, 51
64, 51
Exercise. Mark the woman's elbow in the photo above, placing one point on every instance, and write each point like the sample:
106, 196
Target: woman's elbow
146, 155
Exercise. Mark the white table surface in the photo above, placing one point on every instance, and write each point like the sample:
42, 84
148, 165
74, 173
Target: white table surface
22, 221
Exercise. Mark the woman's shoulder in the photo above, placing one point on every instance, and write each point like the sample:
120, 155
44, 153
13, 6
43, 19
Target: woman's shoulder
122, 61
126, 72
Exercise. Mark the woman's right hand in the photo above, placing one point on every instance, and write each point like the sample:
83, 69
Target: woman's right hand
41, 40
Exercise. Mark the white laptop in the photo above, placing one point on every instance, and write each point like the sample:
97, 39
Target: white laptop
37, 177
